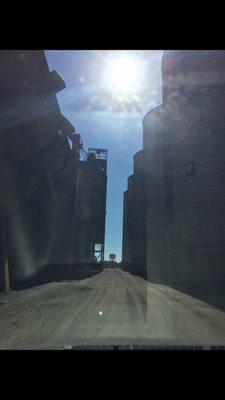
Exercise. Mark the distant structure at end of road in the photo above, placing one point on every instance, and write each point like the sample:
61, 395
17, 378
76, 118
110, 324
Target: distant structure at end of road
112, 257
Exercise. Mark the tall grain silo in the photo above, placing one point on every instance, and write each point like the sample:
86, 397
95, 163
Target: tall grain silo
134, 245
197, 95
157, 172
138, 217
37, 171
184, 147
125, 246
130, 220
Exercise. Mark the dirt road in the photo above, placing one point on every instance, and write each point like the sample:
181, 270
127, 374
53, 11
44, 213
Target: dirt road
112, 307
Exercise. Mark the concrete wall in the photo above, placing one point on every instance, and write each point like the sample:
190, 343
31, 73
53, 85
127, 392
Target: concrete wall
138, 217
157, 167
36, 169
183, 179
184, 147
134, 249
125, 246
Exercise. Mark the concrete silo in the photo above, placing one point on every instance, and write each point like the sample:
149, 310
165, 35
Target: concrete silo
37, 172
184, 147
138, 217
134, 250
157, 172
125, 246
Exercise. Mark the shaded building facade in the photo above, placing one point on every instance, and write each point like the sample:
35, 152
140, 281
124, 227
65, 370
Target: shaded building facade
184, 147
184, 175
91, 208
37, 171
52, 203
134, 245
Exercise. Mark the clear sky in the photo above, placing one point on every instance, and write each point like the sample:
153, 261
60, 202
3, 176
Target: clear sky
107, 116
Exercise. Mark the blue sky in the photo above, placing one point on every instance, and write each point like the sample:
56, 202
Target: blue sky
102, 124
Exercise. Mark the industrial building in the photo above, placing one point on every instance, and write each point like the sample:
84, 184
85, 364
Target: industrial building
91, 208
184, 175
39, 173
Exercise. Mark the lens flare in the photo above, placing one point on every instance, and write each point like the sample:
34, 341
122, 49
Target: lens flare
122, 75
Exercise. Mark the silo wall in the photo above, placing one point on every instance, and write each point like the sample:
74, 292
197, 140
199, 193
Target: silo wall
138, 257
158, 213
184, 167
37, 173
125, 247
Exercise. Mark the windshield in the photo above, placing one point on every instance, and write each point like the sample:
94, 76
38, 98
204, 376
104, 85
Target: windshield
112, 216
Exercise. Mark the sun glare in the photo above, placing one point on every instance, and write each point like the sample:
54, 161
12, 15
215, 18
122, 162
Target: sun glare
122, 75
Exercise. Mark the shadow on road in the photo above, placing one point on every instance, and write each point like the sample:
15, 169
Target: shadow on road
214, 297
56, 273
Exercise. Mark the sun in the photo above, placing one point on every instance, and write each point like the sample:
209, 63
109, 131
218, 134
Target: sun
122, 75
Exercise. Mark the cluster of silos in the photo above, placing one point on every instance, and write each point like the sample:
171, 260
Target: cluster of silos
184, 174
37, 171
49, 198
133, 251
